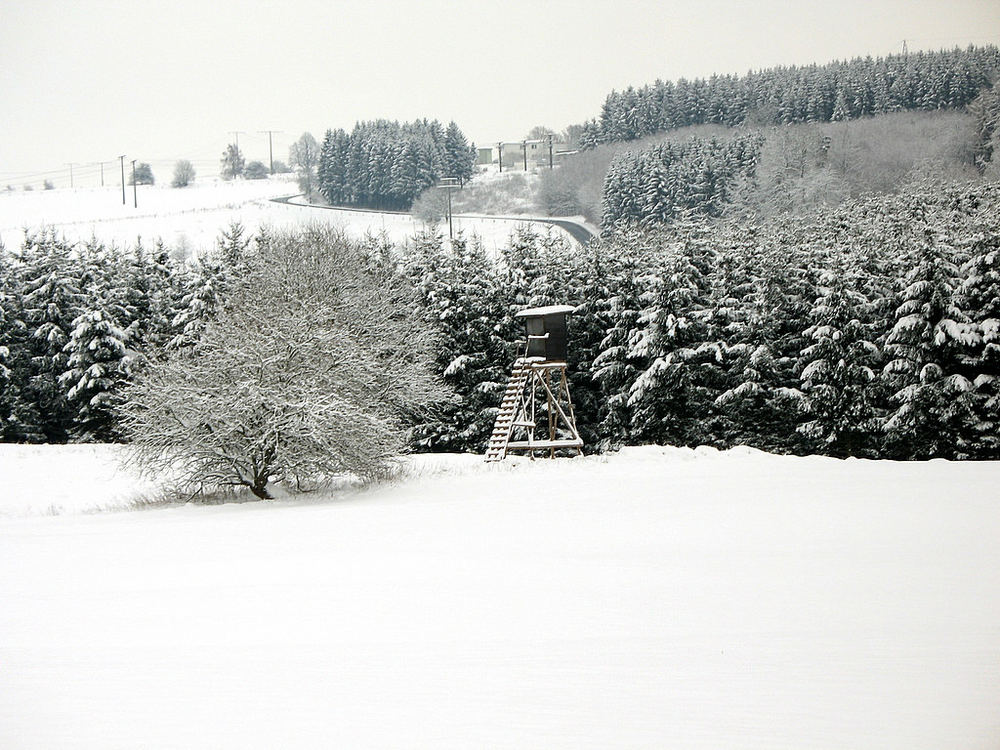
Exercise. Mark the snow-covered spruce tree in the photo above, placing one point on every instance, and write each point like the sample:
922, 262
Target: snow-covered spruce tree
154, 280
520, 266
232, 246
18, 418
138, 289
311, 369
588, 287
50, 282
667, 400
838, 371
762, 345
616, 364
459, 159
981, 298
932, 414
97, 371
333, 175
203, 288
463, 303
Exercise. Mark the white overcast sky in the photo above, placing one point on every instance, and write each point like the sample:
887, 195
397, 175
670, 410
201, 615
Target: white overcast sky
86, 80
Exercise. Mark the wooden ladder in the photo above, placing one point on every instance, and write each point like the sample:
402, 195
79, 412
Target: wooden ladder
497, 447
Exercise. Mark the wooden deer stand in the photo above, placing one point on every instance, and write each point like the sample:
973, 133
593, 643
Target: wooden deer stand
537, 412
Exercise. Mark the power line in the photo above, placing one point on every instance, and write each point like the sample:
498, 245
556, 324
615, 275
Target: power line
27, 175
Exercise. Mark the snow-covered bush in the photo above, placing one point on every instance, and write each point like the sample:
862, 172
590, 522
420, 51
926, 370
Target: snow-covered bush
307, 371
183, 174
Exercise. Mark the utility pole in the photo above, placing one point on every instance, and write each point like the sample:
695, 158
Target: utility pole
550, 150
449, 184
500, 152
71, 164
904, 46
102, 172
236, 156
122, 160
270, 146
524, 150
236, 134
135, 190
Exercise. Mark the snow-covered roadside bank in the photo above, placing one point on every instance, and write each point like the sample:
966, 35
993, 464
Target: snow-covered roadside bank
493, 231
654, 598
191, 219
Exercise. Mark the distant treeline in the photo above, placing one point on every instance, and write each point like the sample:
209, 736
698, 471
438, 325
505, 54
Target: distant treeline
813, 93
385, 165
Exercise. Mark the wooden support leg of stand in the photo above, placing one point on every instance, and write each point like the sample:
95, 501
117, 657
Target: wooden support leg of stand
521, 413
564, 384
549, 410
534, 374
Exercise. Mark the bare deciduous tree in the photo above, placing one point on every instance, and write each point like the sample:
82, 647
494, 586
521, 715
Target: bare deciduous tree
306, 373
183, 174
303, 155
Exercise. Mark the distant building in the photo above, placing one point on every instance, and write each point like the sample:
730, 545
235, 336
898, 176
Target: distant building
536, 152
486, 156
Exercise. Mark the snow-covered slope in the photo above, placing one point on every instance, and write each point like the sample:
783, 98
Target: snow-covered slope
656, 598
193, 217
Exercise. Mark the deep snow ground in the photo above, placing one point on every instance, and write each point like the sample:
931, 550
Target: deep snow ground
654, 598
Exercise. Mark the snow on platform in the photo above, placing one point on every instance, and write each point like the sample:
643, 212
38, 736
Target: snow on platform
655, 598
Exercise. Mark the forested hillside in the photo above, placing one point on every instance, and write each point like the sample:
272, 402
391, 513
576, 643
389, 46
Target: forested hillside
815, 93
820, 134
800, 167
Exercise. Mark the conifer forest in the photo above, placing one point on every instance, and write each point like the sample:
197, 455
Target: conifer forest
837, 91
386, 165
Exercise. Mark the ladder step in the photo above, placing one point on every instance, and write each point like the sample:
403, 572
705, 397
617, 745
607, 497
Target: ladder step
542, 444
505, 421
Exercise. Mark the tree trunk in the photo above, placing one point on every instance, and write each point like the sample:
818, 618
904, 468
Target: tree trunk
260, 490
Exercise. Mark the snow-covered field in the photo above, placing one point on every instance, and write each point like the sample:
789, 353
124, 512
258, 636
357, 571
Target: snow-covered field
656, 598
192, 217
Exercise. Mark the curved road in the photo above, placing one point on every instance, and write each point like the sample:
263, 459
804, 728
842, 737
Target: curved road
578, 230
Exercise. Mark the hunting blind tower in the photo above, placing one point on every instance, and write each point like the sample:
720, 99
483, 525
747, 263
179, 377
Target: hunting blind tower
537, 412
